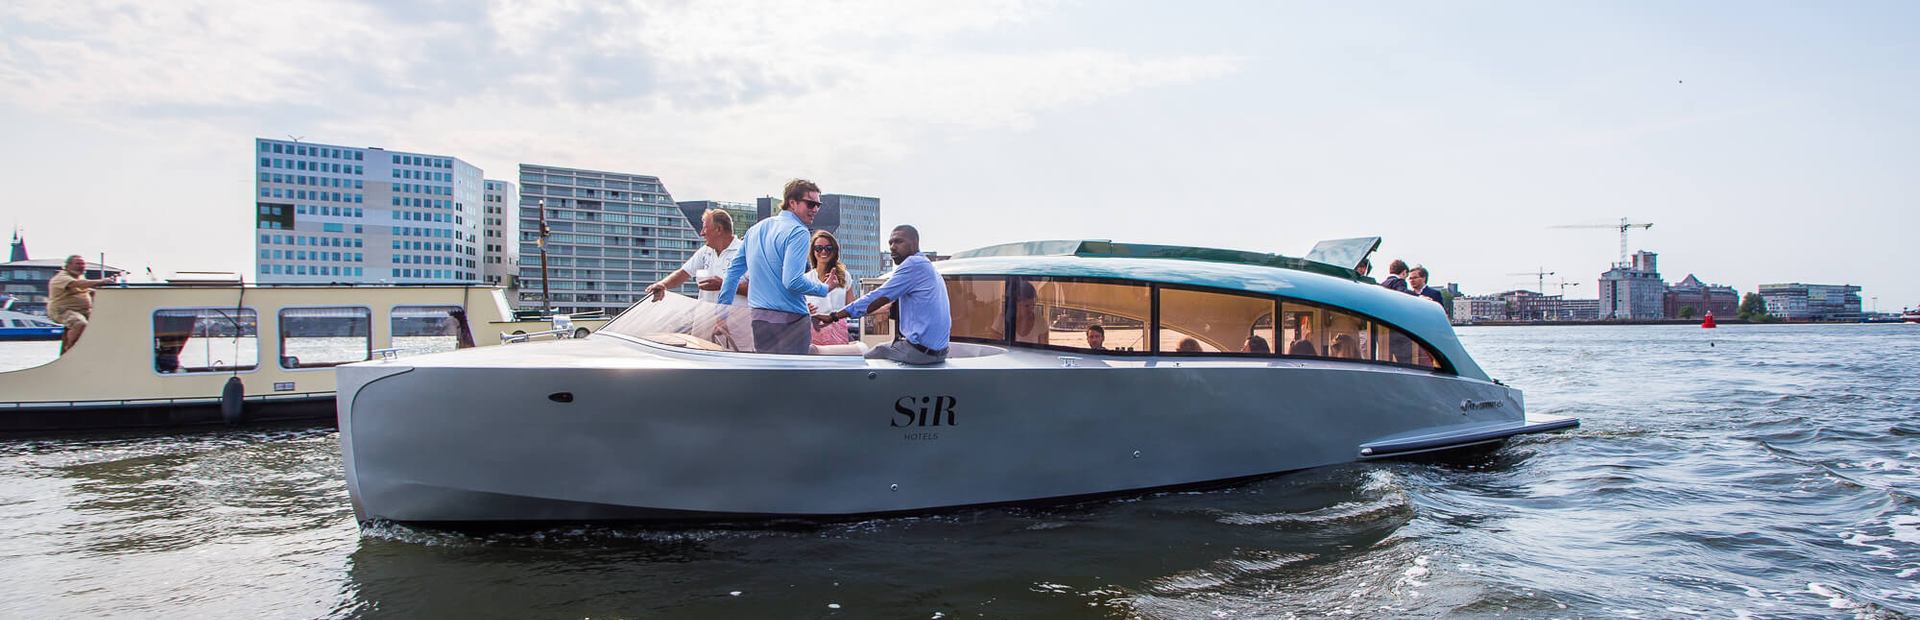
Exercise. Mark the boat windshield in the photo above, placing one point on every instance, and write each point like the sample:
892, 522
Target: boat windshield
680, 321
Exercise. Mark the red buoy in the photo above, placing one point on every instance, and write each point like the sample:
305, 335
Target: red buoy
1708, 323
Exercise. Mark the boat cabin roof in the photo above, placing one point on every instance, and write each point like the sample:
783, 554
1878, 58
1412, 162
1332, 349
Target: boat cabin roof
1283, 277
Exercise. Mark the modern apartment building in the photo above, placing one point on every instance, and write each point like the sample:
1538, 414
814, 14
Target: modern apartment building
500, 226
744, 215
611, 234
1812, 302
855, 221
328, 213
1633, 291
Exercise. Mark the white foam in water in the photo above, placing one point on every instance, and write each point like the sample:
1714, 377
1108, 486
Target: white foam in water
1051, 588
1343, 511
1834, 599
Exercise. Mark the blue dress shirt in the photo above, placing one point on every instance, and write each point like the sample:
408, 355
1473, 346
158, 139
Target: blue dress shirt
774, 252
920, 300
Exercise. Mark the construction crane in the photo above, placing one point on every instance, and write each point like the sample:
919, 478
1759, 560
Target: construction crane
1540, 279
1564, 284
1623, 227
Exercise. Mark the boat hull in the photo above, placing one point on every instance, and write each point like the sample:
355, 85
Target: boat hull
30, 419
837, 439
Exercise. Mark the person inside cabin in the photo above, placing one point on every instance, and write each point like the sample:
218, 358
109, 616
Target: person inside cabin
1365, 267
774, 257
822, 264
1396, 276
1303, 338
708, 262
1033, 328
1189, 345
1096, 337
1256, 344
919, 300
1417, 285
70, 299
1344, 346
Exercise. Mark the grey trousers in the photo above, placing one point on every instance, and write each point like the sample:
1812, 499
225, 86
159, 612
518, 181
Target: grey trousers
904, 353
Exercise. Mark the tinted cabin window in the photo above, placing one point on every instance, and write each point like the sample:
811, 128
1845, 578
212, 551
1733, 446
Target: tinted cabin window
323, 337
205, 340
1059, 313
1396, 347
979, 307
1348, 337
419, 330
1207, 322
1300, 329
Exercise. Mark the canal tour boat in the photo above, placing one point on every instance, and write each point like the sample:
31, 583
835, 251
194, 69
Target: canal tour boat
1215, 366
22, 326
206, 350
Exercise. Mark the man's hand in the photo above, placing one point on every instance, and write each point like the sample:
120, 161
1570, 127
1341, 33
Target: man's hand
823, 320
657, 290
710, 283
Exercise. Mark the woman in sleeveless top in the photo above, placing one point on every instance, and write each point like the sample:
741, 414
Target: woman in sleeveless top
823, 257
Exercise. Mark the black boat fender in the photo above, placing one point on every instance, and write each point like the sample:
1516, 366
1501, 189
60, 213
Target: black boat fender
232, 405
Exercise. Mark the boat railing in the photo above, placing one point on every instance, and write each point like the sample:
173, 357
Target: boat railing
562, 329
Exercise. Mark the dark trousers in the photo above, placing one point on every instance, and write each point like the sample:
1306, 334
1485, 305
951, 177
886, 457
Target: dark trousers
788, 338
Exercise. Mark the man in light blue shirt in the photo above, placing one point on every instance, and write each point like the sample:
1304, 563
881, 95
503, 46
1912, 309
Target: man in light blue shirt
774, 256
920, 302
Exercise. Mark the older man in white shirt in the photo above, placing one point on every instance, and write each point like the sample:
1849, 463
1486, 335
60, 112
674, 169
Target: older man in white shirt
708, 263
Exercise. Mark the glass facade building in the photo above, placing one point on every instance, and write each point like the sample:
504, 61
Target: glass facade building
1812, 302
327, 213
611, 234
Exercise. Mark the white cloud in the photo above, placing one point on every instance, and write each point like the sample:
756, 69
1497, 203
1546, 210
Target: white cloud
719, 97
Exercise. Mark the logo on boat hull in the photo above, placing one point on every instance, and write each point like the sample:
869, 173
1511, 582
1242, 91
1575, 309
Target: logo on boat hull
915, 411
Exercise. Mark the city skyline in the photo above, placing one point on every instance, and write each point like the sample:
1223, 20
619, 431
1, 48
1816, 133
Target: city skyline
1763, 141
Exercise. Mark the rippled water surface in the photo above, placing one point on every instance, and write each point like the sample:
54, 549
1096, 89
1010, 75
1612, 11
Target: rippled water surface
1750, 471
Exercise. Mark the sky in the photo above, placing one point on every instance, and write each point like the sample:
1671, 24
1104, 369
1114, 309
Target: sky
1765, 141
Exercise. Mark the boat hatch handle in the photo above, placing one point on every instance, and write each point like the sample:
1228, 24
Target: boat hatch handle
387, 354
561, 397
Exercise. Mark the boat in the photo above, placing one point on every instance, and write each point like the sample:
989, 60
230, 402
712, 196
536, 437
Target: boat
1910, 315
202, 350
16, 325
667, 415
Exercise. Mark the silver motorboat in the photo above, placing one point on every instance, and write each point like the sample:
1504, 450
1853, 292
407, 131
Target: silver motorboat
1206, 366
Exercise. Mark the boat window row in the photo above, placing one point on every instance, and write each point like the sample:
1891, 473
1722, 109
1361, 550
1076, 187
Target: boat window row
1110, 317
195, 340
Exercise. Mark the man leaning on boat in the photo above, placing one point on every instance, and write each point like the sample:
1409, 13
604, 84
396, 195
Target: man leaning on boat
70, 299
926, 320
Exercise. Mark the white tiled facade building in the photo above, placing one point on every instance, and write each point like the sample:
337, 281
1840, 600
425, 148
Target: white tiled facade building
327, 213
499, 252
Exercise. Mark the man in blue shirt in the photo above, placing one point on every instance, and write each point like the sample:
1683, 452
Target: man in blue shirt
920, 302
774, 252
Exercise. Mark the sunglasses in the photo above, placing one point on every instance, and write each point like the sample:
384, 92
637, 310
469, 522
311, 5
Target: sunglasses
811, 204
823, 248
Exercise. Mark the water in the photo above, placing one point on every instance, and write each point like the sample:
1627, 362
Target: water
1750, 471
